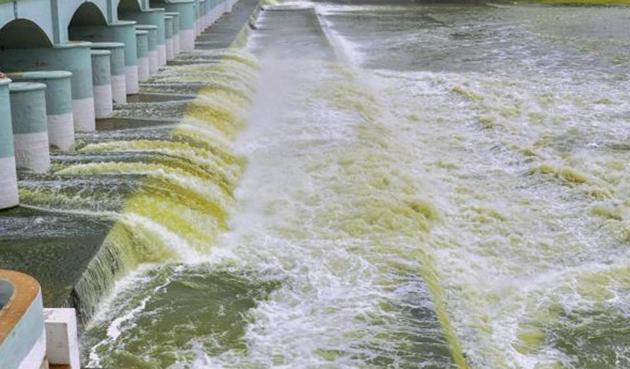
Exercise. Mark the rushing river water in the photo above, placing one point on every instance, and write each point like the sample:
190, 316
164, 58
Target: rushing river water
387, 186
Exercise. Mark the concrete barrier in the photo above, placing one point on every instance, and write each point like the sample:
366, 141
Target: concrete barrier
186, 10
102, 79
152, 52
122, 31
22, 334
73, 57
30, 126
154, 17
117, 68
142, 42
58, 104
175, 34
8, 177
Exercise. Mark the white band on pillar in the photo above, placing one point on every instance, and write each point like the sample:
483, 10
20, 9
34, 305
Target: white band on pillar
187, 38
61, 131
131, 78
170, 51
143, 69
119, 89
103, 107
153, 62
84, 116
8, 183
161, 49
32, 152
176, 45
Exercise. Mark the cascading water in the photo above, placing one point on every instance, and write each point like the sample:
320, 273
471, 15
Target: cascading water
417, 186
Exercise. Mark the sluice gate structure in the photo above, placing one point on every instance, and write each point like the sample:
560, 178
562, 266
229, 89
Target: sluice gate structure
65, 67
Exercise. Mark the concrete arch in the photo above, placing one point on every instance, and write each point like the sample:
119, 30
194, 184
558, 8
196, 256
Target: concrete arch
23, 34
88, 14
67, 9
128, 6
35, 11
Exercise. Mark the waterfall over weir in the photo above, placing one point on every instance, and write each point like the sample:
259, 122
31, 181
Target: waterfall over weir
167, 187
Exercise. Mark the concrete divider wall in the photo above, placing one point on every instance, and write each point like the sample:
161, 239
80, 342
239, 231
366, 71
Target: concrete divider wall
117, 69
30, 126
73, 57
153, 17
186, 10
8, 177
58, 104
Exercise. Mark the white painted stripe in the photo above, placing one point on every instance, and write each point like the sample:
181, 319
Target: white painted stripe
131, 78
35, 358
103, 103
176, 45
161, 54
187, 39
170, 49
84, 116
32, 152
153, 62
143, 69
119, 89
61, 131
8, 183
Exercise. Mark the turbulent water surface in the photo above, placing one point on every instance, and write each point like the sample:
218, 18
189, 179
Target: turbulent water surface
381, 186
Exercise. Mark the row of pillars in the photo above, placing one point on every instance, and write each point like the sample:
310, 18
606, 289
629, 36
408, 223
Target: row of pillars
67, 87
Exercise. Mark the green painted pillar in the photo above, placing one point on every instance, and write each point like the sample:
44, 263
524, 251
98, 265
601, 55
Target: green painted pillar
168, 36
152, 52
8, 177
186, 10
58, 104
102, 79
142, 45
155, 17
73, 57
122, 31
30, 126
176, 36
117, 68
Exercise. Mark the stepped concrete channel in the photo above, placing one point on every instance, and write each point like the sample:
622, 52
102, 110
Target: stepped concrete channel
66, 66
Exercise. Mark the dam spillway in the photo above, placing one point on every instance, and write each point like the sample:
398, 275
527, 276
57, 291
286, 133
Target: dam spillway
350, 186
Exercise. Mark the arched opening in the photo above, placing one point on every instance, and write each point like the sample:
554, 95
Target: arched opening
23, 34
88, 14
129, 6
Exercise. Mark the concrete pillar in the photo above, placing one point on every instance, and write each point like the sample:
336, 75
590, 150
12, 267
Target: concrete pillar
142, 43
168, 37
73, 57
153, 52
102, 77
155, 17
62, 343
228, 6
8, 177
30, 126
117, 68
121, 31
186, 10
58, 104
176, 34
202, 16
